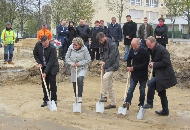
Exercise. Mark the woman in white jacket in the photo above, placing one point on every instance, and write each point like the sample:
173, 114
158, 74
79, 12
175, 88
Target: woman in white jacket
78, 55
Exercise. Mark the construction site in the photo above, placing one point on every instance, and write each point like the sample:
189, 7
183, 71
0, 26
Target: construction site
21, 96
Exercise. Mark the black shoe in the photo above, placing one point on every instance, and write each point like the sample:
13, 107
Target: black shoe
147, 106
44, 104
126, 105
162, 113
110, 106
103, 99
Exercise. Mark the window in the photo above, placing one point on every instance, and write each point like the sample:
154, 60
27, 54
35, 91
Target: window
136, 13
152, 3
135, 2
152, 15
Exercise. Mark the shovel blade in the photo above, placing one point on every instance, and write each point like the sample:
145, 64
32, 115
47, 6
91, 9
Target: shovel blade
100, 107
141, 113
122, 110
52, 106
77, 107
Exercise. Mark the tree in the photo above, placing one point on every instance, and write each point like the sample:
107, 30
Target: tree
7, 12
117, 7
184, 7
46, 15
72, 10
173, 11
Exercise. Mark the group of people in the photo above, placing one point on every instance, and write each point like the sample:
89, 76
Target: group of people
104, 41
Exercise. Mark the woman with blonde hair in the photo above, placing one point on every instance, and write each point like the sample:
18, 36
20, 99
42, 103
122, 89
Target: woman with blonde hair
78, 56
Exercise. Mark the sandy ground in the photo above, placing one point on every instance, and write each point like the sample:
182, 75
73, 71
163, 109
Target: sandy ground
20, 109
20, 104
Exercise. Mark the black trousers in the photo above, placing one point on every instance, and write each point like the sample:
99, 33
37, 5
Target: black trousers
80, 86
63, 50
93, 51
161, 94
51, 86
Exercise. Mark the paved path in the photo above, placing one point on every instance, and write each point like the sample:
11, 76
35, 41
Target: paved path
180, 40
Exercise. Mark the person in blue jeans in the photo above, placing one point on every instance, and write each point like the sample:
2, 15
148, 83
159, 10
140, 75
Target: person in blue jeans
8, 37
129, 32
137, 64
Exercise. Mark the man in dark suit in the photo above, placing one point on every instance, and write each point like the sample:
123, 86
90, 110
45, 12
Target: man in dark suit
46, 57
137, 64
163, 75
129, 32
62, 31
114, 30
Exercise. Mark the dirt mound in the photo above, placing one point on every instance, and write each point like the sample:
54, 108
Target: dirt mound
179, 56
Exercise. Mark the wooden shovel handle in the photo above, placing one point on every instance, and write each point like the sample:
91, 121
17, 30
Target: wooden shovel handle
76, 81
101, 80
45, 84
126, 87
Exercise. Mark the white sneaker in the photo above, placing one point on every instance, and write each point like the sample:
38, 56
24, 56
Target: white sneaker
79, 99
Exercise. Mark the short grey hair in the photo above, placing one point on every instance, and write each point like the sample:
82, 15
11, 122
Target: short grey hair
113, 18
151, 39
137, 40
78, 40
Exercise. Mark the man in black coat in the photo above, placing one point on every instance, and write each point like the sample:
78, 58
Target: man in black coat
163, 75
95, 43
139, 71
83, 31
110, 63
46, 57
129, 32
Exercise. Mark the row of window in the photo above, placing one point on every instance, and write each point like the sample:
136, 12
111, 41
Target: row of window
151, 3
139, 14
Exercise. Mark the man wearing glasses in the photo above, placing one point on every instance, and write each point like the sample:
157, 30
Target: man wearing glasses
145, 30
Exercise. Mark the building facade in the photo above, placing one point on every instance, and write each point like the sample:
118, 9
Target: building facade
138, 9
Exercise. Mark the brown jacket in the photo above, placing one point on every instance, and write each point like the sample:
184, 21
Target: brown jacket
141, 31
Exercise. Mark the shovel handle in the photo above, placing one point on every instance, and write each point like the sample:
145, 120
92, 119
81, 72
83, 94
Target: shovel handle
45, 84
126, 87
76, 82
150, 76
101, 81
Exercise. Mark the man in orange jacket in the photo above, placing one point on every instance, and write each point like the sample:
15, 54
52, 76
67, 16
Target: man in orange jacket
44, 31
